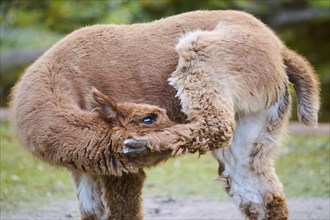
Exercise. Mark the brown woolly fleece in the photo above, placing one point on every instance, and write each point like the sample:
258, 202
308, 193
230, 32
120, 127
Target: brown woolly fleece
51, 110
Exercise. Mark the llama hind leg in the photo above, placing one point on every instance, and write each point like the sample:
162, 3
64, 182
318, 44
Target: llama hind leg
247, 166
259, 194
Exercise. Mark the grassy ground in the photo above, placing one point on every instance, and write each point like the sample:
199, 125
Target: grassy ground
24, 178
303, 167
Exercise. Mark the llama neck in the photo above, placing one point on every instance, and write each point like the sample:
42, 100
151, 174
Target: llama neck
121, 196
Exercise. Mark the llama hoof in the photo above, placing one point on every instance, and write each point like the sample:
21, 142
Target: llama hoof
134, 146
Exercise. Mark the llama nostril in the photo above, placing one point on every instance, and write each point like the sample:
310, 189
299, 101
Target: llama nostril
134, 146
132, 143
128, 150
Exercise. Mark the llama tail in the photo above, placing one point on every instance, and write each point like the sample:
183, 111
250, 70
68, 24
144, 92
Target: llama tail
306, 84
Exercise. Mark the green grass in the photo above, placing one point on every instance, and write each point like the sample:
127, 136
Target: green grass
303, 167
185, 176
25, 179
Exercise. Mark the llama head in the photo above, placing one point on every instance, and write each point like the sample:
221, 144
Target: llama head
130, 119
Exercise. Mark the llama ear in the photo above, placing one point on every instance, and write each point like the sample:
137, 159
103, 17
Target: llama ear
102, 104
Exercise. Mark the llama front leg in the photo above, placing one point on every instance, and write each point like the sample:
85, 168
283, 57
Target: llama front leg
122, 196
109, 197
88, 190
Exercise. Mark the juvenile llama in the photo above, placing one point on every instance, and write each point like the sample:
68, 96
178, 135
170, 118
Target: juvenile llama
118, 196
50, 110
233, 86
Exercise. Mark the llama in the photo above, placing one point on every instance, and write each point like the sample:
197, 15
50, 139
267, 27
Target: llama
50, 111
233, 86
118, 196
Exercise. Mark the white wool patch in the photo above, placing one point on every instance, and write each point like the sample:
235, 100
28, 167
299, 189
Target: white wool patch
84, 193
245, 186
188, 37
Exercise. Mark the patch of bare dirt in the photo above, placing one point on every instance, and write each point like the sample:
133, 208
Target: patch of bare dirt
188, 208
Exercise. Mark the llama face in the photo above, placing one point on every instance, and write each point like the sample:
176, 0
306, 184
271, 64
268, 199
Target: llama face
134, 119
138, 119
130, 119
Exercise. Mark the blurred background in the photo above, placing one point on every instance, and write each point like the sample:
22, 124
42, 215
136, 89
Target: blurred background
30, 27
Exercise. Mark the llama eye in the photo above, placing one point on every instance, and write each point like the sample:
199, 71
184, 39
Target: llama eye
148, 120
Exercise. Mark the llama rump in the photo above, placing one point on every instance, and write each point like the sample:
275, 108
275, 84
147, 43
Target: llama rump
51, 111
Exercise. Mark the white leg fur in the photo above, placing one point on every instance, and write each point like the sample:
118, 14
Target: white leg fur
247, 171
238, 179
88, 193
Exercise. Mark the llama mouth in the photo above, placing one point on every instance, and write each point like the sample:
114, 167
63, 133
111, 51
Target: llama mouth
134, 146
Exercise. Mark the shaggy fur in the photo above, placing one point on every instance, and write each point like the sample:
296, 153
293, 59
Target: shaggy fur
50, 110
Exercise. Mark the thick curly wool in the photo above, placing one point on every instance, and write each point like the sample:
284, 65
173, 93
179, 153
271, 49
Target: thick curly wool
216, 80
212, 87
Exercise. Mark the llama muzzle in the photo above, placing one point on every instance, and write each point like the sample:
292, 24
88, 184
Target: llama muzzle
134, 146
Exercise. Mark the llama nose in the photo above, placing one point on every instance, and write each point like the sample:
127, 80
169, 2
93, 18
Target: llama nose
134, 146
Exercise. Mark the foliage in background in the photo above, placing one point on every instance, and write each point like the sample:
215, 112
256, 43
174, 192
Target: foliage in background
66, 15
303, 167
29, 25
